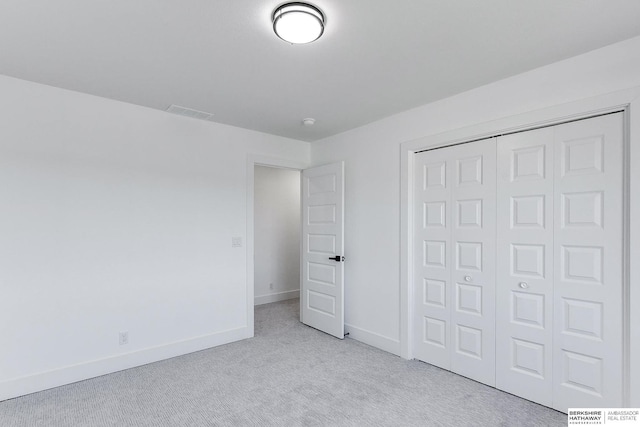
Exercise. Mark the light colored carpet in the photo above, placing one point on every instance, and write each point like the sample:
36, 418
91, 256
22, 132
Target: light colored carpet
288, 375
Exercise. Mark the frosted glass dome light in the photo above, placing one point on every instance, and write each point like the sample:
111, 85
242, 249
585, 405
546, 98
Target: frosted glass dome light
298, 23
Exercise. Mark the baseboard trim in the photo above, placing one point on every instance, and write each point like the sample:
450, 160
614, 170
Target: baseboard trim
70, 374
373, 339
280, 296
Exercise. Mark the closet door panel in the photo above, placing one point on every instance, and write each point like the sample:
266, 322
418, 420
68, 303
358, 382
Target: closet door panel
454, 240
525, 264
588, 255
472, 254
432, 243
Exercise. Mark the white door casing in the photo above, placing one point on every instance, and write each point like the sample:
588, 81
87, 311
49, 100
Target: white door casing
455, 275
322, 281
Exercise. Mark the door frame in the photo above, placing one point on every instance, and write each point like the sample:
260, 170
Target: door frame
254, 160
627, 101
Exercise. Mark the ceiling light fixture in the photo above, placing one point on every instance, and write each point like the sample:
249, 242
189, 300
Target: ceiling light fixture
298, 23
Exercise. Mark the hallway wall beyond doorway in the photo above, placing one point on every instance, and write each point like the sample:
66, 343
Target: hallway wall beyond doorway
277, 234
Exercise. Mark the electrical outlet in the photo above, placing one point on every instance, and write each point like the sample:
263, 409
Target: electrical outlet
124, 338
236, 242
271, 286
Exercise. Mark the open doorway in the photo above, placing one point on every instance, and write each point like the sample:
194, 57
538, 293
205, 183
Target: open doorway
320, 259
276, 209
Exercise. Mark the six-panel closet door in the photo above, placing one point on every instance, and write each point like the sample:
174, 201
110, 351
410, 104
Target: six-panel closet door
518, 244
559, 270
455, 275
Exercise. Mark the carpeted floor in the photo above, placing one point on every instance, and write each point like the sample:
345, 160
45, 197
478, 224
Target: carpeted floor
288, 375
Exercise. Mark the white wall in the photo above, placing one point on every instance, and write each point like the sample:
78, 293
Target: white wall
276, 234
114, 218
372, 157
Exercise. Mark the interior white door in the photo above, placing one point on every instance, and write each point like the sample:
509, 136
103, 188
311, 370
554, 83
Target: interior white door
473, 267
588, 268
554, 232
432, 241
455, 271
322, 270
559, 264
524, 267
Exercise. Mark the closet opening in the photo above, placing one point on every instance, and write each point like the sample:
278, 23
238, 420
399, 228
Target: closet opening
517, 256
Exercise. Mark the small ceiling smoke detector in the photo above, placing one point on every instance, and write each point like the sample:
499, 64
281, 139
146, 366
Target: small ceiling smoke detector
298, 23
308, 122
189, 112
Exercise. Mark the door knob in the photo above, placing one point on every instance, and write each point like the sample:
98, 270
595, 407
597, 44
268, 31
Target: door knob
468, 278
337, 258
523, 285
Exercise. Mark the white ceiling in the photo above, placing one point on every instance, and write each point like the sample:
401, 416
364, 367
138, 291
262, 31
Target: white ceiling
375, 59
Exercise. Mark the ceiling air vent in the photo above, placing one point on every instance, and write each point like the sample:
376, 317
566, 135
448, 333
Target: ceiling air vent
189, 112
